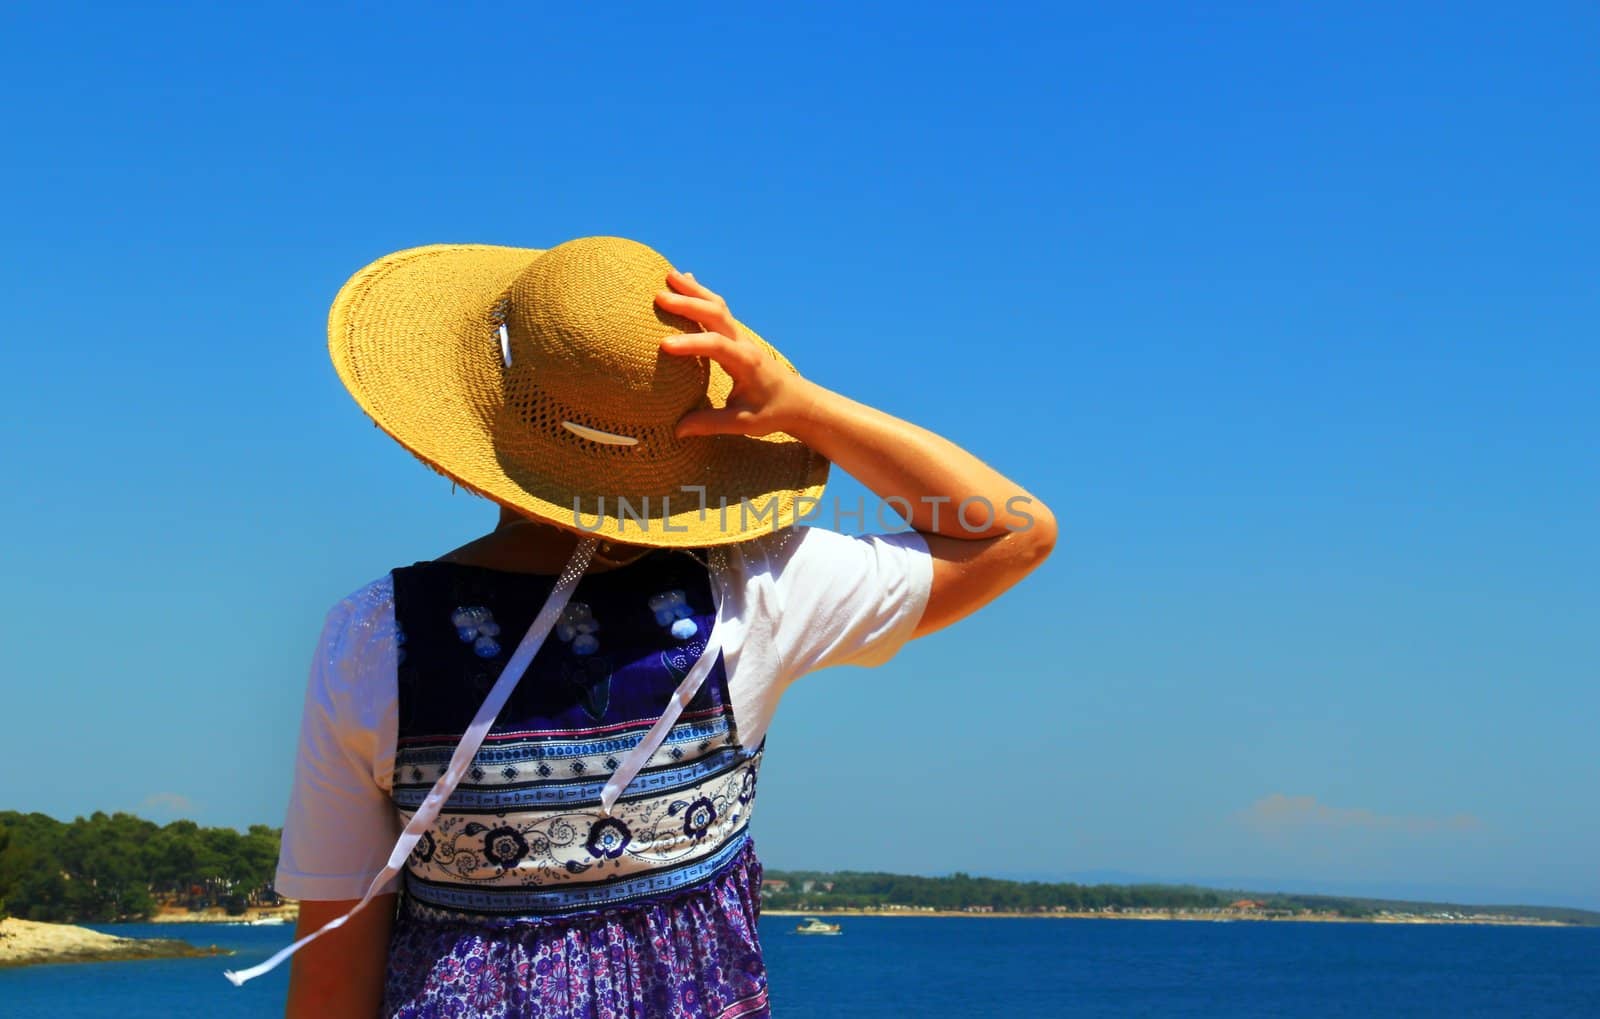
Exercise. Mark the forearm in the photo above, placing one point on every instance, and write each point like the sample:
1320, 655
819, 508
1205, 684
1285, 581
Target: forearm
942, 488
341, 973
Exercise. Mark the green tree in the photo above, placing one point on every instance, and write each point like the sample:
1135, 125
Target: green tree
119, 866
5, 885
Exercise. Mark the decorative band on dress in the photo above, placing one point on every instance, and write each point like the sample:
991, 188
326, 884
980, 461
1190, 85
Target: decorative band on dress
440, 903
518, 747
499, 799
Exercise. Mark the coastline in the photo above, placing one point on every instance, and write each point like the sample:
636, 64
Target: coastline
30, 943
1219, 917
285, 914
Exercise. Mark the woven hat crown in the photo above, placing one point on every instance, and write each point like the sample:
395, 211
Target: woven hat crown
584, 333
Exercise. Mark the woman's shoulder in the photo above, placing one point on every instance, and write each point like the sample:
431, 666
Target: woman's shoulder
371, 598
353, 676
360, 621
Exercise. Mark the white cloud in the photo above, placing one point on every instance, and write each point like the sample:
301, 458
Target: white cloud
168, 803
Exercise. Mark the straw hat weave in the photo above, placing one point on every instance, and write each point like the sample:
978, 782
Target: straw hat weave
578, 428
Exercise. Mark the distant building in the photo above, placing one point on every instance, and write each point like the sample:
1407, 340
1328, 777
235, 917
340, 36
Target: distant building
773, 886
1247, 904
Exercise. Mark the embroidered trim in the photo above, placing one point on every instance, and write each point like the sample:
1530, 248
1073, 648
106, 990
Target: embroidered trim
713, 732
744, 859
450, 902
534, 795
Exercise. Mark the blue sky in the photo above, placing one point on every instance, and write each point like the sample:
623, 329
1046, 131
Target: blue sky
1289, 312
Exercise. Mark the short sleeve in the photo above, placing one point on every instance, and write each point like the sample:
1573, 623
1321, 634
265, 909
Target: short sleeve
849, 600
810, 599
341, 824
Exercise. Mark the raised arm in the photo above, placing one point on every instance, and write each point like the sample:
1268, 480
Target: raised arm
985, 531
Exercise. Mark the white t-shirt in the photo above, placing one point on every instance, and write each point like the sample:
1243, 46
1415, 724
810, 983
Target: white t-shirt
796, 602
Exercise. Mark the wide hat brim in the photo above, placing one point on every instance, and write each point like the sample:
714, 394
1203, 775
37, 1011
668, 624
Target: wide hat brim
407, 336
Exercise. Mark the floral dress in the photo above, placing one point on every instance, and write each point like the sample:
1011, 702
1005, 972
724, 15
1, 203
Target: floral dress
523, 899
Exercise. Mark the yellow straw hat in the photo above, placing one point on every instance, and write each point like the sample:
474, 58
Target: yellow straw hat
535, 379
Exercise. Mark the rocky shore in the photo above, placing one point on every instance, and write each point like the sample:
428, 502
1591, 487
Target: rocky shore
27, 943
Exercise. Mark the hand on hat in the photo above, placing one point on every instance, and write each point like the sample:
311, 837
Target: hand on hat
765, 396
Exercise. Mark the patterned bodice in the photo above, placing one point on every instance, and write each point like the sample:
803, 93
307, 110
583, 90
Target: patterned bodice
523, 836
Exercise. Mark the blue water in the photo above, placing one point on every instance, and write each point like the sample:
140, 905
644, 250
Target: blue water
975, 967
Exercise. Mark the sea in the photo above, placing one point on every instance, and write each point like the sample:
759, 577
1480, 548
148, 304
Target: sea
957, 966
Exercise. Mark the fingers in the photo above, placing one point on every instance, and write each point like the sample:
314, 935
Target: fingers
685, 282
709, 313
715, 421
693, 300
692, 305
724, 350
722, 344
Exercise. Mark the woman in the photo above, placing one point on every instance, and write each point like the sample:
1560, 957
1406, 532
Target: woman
588, 853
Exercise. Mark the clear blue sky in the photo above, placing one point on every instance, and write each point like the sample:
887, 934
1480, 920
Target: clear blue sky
1291, 315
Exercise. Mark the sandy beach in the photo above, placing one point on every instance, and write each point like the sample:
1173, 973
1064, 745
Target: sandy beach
286, 913
27, 943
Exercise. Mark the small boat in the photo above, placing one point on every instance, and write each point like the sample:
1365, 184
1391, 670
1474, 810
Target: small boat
267, 921
815, 926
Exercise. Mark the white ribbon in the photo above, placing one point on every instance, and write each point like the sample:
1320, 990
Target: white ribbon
634, 760
464, 753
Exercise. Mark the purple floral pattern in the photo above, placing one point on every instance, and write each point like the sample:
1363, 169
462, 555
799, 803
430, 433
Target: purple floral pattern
696, 954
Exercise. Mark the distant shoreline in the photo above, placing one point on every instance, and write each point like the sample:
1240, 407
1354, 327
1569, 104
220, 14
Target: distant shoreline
288, 914
1242, 917
30, 943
